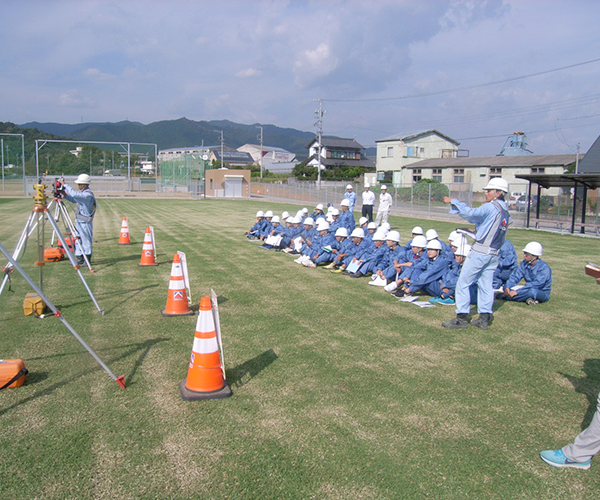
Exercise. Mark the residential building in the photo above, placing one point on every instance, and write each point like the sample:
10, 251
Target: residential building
335, 152
478, 170
275, 160
396, 153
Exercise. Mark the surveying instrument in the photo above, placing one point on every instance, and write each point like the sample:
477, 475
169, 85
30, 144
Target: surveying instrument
37, 223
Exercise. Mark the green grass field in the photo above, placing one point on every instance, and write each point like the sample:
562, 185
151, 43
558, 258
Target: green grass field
339, 390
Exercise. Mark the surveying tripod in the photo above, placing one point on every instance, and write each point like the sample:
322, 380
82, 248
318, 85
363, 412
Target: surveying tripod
37, 222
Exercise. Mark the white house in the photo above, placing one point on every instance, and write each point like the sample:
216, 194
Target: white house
396, 153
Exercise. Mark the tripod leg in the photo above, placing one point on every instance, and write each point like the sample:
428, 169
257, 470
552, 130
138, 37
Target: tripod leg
17, 254
74, 264
119, 380
74, 232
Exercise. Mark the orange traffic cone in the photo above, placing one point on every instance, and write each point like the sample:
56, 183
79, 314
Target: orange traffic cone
205, 374
124, 238
148, 257
177, 301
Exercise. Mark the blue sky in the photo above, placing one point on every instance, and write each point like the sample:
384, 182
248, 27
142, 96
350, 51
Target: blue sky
269, 61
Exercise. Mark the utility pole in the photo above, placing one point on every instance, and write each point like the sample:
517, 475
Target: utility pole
222, 141
319, 124
577, 160
261, 149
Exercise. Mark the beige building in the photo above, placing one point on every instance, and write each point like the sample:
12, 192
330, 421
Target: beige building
226, 183
396, 153
478, 170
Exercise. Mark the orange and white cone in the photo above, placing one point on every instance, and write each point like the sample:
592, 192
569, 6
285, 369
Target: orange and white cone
205, 374
148, 256
124, 237
177, 301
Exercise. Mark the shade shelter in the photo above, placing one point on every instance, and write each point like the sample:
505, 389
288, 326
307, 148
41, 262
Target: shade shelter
571, 181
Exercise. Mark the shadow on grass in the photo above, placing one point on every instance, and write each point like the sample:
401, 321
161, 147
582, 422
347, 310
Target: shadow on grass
142, 347
589, 386
132, 291
242, 374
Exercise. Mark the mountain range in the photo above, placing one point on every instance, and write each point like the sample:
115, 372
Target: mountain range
181, 133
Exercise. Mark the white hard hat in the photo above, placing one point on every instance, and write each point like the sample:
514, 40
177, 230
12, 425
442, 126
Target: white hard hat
378, 236
417, 230
297, 220
345, 202
534, 248
329, 218
367, 185
372, 225
276, 218
463, 250
299, 213
452, 236
342, 231
358, 233
285, 215
393, 236
329, 208
384, 187
434, 245
319, 207
419, 241
458, 240
309, 221
305, 210
83, 179
386, 225
431, 234
362, 220
498, 184
335, 211
323, 226
290, 219
268, 213
260, 213
349, 186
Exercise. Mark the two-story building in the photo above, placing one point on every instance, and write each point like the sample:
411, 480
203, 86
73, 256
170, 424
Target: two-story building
335, 152
396, 153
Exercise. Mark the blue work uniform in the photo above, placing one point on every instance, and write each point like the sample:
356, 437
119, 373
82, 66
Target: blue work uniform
538, 281
351, 197
491, 223
507, 263
86, 209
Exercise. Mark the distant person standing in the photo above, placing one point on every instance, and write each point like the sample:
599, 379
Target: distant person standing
385, 203
86, 209
350, 195
368, 200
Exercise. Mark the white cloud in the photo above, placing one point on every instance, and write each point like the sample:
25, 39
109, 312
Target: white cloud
74, 99
249, 73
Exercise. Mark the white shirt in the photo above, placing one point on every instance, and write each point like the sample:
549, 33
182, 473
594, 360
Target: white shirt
368, 198
385, 202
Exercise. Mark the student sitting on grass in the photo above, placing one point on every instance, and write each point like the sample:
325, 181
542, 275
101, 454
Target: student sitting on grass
425, 273
507, 263
447, 285
254, 232
373, 257
537, 275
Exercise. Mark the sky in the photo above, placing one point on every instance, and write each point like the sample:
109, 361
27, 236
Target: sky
476, 71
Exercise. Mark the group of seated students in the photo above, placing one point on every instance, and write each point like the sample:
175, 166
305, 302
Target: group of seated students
425, 264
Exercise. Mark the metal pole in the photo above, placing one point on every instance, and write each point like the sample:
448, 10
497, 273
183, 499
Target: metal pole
119, 380
2, 147
261, 150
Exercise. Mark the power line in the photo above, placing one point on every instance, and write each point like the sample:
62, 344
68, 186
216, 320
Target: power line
466, 87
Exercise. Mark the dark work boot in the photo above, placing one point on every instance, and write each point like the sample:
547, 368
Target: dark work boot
80, 261
459, 322
482, 321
